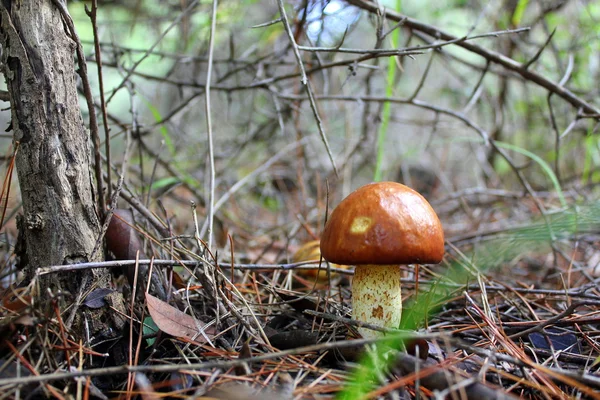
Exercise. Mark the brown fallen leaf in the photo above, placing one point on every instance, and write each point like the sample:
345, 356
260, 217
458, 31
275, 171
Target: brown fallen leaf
292, 339
176, 323
124, 242
122, 239
245, 352
236, 391
96, 298
16, 299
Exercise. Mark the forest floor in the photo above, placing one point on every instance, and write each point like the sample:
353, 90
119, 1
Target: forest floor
511, 311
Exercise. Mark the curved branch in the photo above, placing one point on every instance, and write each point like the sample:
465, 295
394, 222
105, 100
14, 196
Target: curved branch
489, 55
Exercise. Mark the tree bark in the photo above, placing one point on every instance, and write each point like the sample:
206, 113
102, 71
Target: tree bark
60, 224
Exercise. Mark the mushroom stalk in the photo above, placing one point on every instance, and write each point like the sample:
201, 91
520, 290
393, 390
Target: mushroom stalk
376, 297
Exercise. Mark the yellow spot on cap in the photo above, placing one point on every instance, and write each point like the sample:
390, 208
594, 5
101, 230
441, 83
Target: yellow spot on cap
360, 225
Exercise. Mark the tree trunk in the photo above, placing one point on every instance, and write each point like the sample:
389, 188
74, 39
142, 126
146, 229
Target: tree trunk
60, 224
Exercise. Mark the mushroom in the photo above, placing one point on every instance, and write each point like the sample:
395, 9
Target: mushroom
310, 251
376, 228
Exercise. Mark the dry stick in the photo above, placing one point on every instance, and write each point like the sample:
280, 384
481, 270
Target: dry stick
124, 369
176, 56
365, 55
245, 63
314, 265
540, 51
408, 50
568, 311
265, 24
209, 134
93, 14
109, 215
423, 77
304, 265
306, 83
115, 198
439, 380
264, 83
559, 137
154, 169
493, 56
89, 100
134, 285
417, 103
310, 265
307, 265
476, 92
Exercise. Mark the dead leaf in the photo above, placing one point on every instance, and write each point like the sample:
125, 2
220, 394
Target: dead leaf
25, 320
235, 391
176, 323
418, 348
96, 298
16, 299
245, 352
292, 339
178, 282
122, 239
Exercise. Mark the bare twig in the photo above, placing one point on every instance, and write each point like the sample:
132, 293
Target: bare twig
304, 265
492, 56
124, 369
540, 51
448, 382
93, 14
306, 83
539, 328
209, 131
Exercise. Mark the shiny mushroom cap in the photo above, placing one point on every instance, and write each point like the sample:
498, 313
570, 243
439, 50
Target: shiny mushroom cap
383, 223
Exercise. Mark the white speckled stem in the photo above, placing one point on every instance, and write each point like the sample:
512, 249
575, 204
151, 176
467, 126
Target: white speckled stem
376, 297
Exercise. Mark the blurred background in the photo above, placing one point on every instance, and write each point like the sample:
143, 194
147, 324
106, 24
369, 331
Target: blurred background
426, 118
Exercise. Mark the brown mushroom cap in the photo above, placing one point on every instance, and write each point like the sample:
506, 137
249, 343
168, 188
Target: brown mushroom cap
383, 223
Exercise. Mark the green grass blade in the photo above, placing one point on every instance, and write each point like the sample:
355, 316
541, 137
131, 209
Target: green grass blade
543, 164
387, 106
